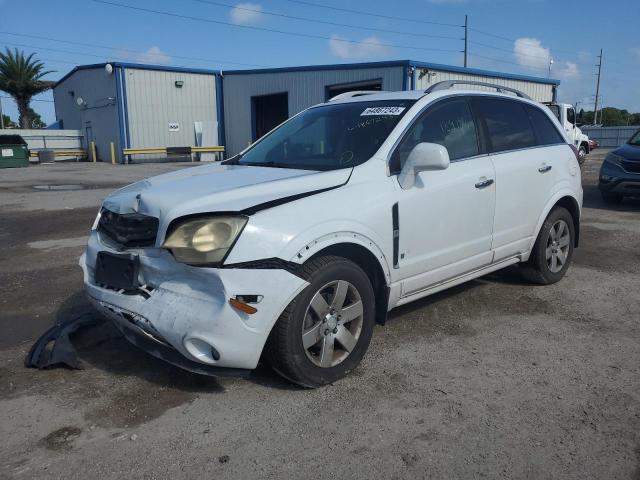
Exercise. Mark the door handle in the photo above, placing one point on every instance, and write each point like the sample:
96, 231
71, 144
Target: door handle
544, 168
484, 183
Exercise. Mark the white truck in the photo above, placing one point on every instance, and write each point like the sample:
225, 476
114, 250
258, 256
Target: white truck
566, 115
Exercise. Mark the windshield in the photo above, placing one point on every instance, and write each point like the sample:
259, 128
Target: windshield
328, 137
635, 139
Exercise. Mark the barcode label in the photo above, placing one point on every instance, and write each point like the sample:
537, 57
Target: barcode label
382, 111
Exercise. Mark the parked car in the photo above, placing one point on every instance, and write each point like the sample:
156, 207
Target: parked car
292, 250
593, 144
620, 172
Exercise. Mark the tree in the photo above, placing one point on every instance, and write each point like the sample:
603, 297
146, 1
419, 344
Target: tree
21, 77
35, 120
7, 122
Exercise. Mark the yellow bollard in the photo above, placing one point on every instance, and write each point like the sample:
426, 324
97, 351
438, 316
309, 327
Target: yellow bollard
113, 154
93, 151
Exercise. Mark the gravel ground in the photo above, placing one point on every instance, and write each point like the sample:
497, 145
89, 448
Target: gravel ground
495, 378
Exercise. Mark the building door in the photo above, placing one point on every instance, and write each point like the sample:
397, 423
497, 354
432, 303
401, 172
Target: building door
88, 138
269, 111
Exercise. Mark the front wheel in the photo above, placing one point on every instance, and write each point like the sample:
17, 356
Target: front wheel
553, 250
325, 331
582, 154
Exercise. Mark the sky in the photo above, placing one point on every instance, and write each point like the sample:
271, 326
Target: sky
513, 36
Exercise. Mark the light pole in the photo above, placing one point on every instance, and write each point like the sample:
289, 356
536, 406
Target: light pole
1, 116
550, 63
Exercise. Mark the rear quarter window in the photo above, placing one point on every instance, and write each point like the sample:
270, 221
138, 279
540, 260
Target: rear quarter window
507, 122
546, 132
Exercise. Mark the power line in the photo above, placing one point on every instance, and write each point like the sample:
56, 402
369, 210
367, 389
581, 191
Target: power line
128, 50
33, 99
510, 39
323, 22
370, 14
272, 30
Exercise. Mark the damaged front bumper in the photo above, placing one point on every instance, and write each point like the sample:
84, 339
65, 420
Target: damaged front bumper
182, 313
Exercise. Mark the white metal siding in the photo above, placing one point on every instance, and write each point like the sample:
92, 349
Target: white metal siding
153, 101
541, 92
305, 88
98, 89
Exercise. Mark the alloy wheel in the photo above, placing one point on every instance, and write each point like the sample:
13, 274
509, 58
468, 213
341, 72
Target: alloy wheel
558, 243
332, 324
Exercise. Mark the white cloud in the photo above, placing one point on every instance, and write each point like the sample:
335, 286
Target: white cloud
246, 13
531, 54
565, 70
153, 55
366, 48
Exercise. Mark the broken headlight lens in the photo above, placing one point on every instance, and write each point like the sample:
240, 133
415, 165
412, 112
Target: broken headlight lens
204, 240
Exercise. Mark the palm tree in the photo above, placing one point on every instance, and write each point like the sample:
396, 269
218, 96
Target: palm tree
21, 77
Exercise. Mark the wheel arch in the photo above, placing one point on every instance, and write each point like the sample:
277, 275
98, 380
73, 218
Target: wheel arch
568, 201
372, 264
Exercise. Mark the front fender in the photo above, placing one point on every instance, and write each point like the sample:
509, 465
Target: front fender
318, 244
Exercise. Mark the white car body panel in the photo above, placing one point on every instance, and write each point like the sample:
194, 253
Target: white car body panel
450, 231
434, 247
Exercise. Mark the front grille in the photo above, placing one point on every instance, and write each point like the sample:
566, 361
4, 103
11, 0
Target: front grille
631, 167
129, 229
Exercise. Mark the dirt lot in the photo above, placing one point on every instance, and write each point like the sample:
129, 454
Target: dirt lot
493, 379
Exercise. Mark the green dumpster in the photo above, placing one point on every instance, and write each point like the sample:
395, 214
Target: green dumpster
13, 151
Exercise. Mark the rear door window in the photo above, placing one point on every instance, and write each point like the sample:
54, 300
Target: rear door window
546, 132
448, 123
507, 122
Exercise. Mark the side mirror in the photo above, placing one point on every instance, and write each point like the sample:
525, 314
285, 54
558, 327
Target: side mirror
423, 157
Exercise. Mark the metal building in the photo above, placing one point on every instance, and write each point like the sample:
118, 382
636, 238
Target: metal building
257, 100
140, 106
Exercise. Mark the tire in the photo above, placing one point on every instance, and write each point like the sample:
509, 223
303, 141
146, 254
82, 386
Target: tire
327, 360
541, 267
582, 154
611, 198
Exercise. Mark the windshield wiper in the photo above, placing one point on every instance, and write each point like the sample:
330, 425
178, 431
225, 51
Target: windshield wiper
235, 160
269, 164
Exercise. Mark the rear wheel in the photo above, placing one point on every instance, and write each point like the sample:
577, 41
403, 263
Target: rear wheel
325, 331
553, 250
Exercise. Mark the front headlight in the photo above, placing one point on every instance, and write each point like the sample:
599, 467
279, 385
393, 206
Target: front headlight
97, 220
204, 240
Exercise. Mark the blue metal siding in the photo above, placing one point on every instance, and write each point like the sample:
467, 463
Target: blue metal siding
305, 89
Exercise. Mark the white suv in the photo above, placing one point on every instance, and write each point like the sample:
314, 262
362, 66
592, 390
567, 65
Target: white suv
293, 250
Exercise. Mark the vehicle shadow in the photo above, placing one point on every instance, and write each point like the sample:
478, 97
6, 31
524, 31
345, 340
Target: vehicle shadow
593, 199
103, 347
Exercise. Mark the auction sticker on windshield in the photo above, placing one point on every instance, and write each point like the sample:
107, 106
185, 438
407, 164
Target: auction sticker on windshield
382, 111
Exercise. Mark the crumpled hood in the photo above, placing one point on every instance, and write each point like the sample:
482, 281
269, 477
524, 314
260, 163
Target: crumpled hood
217, 188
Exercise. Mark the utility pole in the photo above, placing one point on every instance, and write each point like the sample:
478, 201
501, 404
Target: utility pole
466, 38
595, 107
1, 116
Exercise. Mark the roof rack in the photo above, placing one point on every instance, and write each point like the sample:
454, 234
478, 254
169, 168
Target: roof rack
447, 84
354, 93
